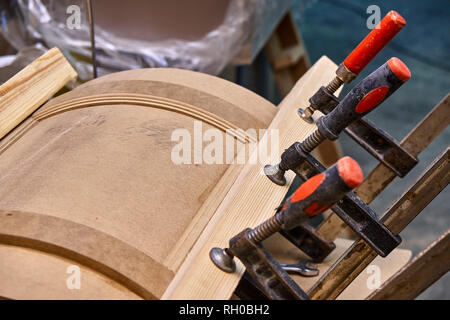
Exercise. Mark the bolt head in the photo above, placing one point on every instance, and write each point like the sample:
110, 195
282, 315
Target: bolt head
222, 260
275, 174
305, 116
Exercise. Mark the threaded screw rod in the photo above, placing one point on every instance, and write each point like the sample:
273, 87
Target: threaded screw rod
331, 87
313, 140
334, 84
266, 229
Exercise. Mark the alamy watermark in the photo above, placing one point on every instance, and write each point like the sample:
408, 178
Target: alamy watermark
213, 146
73, 282
374, 280
73, 21
374, 19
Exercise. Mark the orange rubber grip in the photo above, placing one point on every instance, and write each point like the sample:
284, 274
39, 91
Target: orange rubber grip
376, 40
321, 192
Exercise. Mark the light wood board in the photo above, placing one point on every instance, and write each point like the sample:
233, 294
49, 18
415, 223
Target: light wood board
251, 200
31, 87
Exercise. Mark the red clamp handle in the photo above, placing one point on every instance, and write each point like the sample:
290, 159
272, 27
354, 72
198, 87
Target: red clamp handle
376, 40
321, 192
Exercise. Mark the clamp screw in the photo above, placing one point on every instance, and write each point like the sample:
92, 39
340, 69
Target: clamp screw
222, 259
306, 114
275, 174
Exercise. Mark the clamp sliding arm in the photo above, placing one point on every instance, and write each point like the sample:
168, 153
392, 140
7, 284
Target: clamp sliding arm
356, 61
362, 99
314, 196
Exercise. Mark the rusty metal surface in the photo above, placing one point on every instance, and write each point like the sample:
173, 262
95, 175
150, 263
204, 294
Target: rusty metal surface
382, 146
355, 213
248, 290
306, 239
267, 273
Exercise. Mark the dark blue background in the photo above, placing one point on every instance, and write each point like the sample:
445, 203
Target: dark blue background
333, 28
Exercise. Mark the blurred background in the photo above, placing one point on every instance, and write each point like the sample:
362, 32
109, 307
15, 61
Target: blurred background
232, 39
332, 28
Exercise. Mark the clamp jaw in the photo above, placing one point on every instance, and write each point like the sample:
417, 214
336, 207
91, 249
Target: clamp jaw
313, 197
378, 143
356, 61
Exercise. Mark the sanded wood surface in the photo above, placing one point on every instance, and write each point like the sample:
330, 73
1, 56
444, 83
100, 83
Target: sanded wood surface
102, 189
109, 256
251, 199
426, 268
21, 271
31, 87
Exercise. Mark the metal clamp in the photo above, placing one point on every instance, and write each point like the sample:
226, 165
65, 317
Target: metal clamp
353, 211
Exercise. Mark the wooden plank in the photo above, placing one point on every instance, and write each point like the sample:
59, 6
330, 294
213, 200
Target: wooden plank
425, 269
289, 56
285, 46
31, 87
250, 201
415, 142
360, 254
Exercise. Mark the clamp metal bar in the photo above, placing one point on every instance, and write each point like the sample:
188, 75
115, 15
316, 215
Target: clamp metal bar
354, 212
407, 207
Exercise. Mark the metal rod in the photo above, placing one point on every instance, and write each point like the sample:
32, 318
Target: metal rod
92, 35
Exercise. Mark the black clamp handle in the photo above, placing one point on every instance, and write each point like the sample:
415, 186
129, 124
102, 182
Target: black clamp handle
364, 97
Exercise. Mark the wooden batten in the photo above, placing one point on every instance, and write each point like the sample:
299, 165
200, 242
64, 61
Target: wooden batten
31, 87
251, 199
426, 268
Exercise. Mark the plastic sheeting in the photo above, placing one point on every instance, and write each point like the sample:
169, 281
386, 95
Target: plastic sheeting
247, 23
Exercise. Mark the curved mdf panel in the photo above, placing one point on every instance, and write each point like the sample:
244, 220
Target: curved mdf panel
88, 178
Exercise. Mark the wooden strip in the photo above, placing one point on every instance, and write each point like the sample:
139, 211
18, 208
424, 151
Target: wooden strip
289, 57
31, 87
415, 142
360, 254
247, 202
420, 273
87, 246
288, 62
430, 127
